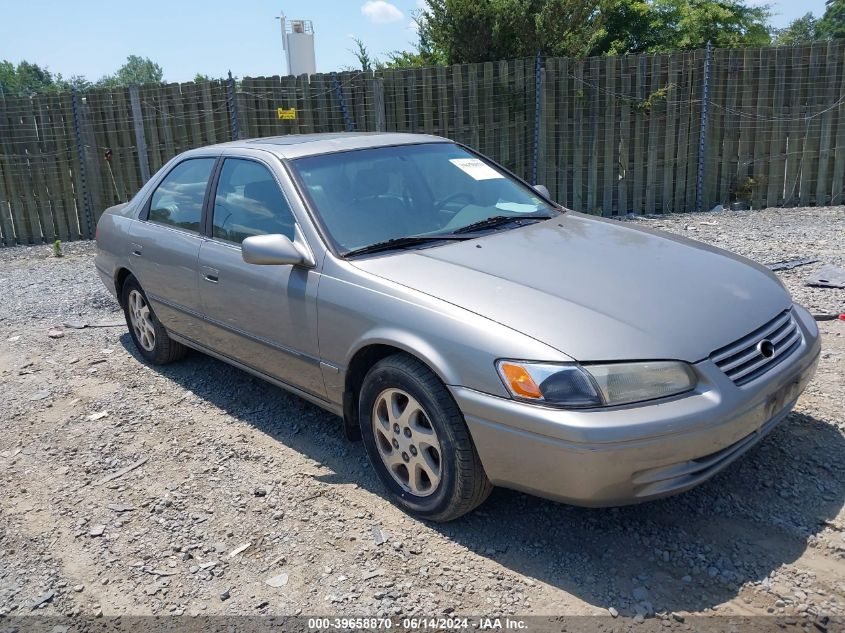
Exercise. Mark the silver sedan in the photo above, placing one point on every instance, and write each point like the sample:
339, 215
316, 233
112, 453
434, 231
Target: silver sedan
471, 331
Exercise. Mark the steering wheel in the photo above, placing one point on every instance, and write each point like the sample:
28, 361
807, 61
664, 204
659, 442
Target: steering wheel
454, 197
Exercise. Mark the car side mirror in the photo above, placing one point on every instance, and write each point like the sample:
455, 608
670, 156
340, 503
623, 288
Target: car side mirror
543, 190
271, 250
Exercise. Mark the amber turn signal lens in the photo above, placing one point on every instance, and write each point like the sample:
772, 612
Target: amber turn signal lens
520, 382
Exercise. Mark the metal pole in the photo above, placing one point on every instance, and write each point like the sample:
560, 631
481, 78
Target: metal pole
350, 124
702, 133
538, 102
88, 216
140, 140
232, 102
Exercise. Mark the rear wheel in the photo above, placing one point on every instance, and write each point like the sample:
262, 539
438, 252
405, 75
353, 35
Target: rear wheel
147, 332
418, 442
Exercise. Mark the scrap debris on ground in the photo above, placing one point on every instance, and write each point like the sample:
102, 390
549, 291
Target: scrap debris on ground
828, 277
203, 490
788, 264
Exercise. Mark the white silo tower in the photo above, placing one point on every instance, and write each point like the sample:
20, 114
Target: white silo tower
298, 42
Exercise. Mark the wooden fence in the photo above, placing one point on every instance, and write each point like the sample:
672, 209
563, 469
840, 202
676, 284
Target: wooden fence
609, 135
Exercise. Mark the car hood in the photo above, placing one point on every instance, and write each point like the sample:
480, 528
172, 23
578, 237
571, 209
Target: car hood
597, 289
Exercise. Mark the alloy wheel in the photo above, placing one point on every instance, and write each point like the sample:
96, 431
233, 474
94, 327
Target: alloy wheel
407, 442
141, 319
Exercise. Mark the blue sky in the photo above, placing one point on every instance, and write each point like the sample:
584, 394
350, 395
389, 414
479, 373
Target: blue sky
93, 37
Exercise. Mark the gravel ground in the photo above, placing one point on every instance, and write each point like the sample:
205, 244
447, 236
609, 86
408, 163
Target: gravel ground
236, 483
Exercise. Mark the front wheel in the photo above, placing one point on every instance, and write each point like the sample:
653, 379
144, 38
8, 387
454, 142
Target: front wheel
418, 442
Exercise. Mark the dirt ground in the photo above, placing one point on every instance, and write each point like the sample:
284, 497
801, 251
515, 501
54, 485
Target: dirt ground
234, 483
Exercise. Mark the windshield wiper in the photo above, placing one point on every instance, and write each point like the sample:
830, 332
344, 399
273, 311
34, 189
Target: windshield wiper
497, 220
400, 242
456, 235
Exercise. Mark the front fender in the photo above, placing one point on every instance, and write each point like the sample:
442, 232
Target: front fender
413, 344
357, 309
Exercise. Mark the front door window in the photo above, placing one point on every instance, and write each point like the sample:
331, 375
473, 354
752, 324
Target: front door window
249, 202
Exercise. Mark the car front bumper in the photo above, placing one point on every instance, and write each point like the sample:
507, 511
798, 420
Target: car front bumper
623, 455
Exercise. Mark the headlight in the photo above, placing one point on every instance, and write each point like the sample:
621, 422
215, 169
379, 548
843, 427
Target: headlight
573, 385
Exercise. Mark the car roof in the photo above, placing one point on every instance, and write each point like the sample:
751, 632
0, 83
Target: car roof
299, 145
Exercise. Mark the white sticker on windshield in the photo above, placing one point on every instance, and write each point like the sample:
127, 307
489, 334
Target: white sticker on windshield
516, 207
476, 168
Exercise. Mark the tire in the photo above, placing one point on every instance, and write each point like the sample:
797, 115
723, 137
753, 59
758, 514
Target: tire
148, 334
400, 384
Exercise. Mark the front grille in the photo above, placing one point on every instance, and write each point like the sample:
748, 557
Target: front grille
743, 360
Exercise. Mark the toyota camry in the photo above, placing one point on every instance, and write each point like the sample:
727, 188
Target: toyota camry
470, 330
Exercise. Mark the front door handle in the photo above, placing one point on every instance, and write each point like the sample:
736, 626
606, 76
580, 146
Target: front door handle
211, 275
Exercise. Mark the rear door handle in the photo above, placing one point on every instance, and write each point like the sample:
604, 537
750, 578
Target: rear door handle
211, 275
136, 249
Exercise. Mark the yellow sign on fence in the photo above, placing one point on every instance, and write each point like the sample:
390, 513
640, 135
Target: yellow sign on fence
286, 114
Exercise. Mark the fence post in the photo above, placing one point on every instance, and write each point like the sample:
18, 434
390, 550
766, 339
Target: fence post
6, 227
80, 152
702, 132
538, 105
378, 104
350, 124
140, 139
233, 108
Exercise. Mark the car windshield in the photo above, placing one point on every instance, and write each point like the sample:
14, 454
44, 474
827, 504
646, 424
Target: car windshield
366, 197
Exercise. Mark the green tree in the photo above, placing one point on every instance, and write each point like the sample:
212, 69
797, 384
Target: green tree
77, 82
651, 26
832, 23
25, 79
423, 52
689, 24
628, 26
32, 78
8, 78
362, 54
800, 31
136, 71
410, 59
458, 31
203, 78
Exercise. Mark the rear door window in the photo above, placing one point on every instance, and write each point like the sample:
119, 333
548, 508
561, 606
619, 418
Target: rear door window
178, 200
